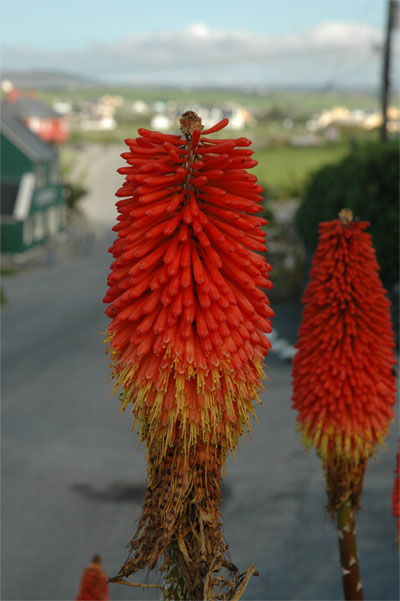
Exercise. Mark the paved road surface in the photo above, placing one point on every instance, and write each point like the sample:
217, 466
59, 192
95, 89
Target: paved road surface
73, 478
102, 181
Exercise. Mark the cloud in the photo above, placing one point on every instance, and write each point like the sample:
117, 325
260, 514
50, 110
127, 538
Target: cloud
198, 52
198, 43
335, 34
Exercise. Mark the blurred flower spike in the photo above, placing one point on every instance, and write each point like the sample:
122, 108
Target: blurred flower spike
187, 336
396, 493
343, 379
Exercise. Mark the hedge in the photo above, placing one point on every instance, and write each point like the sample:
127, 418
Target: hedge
366, 181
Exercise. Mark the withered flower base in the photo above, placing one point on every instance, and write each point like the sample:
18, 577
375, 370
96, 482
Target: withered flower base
187, 340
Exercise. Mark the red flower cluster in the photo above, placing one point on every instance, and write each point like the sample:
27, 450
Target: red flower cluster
184, 294
187, 338
343, 383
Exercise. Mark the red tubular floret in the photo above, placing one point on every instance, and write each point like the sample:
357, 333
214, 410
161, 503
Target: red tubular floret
184, 283
217, 127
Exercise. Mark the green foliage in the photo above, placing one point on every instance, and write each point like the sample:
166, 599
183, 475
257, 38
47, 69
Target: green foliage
73, 193
367, 182
8, 269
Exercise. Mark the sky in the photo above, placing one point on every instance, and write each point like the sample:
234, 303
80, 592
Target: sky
206, 42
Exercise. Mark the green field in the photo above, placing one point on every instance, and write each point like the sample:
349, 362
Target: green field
283, 171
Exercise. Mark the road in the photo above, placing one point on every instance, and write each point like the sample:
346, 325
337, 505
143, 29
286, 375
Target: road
73, 477
102, 181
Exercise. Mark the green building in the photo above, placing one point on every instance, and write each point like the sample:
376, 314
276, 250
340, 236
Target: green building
32, 205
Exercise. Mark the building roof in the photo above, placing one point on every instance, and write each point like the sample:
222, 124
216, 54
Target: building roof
25, 107
24, 139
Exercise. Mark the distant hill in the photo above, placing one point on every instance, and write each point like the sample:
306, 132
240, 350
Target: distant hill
54, 80
49, 80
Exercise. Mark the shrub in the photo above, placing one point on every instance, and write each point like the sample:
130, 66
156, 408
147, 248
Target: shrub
73, 192
367, 182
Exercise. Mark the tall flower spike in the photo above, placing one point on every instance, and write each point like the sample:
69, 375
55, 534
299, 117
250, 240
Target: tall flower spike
343, 382
396, 493
186, 338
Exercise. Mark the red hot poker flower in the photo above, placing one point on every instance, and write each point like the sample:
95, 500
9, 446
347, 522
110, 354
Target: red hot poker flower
188, 318
396, 493
343, 384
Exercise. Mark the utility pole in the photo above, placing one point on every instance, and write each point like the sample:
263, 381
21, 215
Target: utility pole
392, 8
